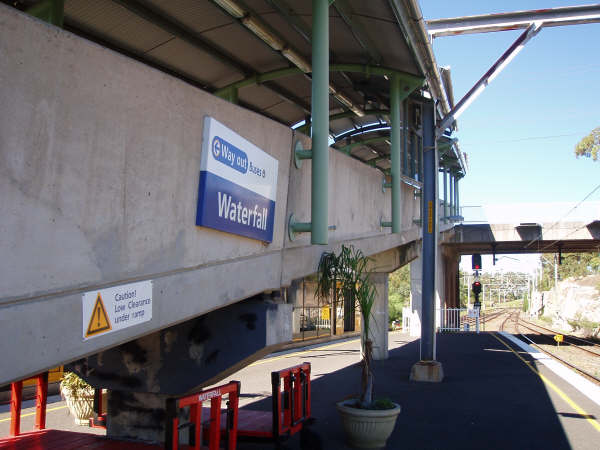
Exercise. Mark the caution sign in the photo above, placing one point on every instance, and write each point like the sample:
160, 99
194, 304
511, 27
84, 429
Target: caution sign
325, 313
99, 321
112, 309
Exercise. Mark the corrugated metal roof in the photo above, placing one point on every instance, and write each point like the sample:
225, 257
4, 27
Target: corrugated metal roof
205, 45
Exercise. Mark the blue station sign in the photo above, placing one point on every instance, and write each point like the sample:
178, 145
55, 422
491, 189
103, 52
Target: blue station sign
238, 184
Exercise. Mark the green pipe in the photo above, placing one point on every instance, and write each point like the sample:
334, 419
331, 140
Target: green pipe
410, 82
304, 154
230, 94
373, 161
368, 112
395, 104
259, 78
320, 122
348, 148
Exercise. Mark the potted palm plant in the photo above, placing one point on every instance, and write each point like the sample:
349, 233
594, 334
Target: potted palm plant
366, 423
79, 397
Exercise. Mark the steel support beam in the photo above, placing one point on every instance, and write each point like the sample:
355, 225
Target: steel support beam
362, 130
294, 20
320, 122
487, 78
368, 112
430, 230
348, 148
357, 29
409, 82
552, 17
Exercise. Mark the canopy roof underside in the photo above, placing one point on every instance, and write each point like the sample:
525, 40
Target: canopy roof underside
214, 44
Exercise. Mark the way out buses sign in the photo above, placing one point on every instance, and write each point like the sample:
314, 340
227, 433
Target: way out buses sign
238, 184
112, 309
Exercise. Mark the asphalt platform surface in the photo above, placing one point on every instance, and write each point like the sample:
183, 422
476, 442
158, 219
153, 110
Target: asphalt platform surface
491, 397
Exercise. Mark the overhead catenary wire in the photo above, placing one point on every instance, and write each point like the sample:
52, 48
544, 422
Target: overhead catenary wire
561, 219
527, 138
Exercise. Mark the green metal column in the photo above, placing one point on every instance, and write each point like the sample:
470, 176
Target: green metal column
451, 181
320, 122
395, 104
51, 11
445, 211
405, 138
457, 198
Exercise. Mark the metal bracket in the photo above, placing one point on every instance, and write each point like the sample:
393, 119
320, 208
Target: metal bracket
385, 184
295, 227
385, 224
301, 153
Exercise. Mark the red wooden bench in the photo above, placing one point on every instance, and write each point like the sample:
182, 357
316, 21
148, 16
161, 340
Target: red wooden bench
219, 421
290, 407
41, 400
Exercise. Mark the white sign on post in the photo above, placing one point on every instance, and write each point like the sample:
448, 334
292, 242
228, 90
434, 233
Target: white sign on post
113, 309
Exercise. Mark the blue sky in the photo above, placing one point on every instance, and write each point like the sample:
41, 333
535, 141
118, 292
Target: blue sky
521, 131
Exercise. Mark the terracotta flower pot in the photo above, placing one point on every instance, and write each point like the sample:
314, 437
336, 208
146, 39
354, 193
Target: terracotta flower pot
367, 428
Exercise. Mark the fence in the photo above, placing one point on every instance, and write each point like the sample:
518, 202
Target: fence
458, 319
312, 322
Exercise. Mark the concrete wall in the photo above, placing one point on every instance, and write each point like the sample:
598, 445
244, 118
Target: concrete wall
99, 168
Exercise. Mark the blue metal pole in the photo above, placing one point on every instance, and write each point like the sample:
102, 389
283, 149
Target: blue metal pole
430, 205
320, 122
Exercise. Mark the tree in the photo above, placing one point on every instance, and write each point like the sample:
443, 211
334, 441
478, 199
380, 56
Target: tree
573, 265
589, 145
399, 292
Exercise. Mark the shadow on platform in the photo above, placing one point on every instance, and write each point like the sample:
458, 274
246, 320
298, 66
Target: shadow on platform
488, 399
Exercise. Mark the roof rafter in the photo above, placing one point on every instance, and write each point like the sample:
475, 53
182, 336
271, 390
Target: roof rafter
174, 27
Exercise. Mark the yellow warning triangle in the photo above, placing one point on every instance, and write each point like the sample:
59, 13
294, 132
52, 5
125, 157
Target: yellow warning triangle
99, 322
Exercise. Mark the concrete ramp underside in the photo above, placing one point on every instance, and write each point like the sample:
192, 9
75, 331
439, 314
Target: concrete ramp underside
187, 356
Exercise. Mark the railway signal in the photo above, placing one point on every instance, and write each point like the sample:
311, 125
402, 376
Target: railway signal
476, 288
476, 261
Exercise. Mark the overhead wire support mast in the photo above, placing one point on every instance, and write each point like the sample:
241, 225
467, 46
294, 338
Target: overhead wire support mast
533, 21
488, 77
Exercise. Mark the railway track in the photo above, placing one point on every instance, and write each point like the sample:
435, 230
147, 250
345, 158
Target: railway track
580, 354
584, 345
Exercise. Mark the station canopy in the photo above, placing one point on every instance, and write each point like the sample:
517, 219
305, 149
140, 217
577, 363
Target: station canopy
257, 53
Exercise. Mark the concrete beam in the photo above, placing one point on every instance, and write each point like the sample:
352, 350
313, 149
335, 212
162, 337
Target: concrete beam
191, 355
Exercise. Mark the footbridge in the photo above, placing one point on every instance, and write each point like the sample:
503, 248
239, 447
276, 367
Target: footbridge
172, 171
526, 237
